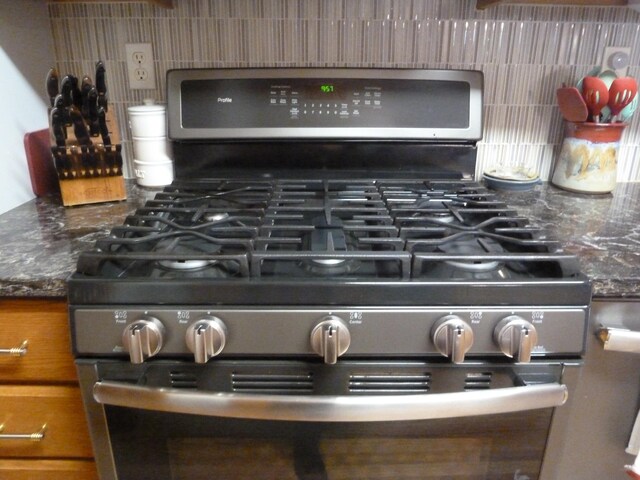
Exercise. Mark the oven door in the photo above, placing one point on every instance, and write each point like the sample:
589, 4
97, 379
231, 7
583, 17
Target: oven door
272, 420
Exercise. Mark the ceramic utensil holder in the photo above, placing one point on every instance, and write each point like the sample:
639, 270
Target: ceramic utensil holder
589, 157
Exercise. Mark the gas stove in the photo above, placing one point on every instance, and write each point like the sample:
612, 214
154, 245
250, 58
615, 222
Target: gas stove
324, 276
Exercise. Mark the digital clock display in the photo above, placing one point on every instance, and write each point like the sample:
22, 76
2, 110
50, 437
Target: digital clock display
326, 88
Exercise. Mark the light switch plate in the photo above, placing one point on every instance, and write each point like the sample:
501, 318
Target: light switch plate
140, 68
616, 59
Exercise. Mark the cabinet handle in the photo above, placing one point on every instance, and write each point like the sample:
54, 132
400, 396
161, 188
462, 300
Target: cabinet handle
20, 351
34, 437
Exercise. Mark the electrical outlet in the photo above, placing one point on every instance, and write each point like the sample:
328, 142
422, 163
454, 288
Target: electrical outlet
616, 59
140, 67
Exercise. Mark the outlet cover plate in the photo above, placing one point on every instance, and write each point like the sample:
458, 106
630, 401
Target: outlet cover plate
140, 67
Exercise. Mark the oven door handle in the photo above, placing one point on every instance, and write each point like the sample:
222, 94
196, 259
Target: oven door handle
324, 408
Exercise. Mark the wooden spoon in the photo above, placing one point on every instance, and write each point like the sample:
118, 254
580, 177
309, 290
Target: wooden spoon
572, 105
596, 96
622, 92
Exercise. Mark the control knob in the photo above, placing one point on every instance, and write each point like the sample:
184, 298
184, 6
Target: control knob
516, 337
452, 337
330, 338
143, 338
206, 338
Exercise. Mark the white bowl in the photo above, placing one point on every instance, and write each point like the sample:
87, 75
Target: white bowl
153, 174
148, 120
150, 149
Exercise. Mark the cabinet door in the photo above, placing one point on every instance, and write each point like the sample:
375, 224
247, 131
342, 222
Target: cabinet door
25, 409
48, 469
44, 325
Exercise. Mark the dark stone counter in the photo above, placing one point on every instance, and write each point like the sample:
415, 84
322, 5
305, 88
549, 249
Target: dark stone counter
40, 240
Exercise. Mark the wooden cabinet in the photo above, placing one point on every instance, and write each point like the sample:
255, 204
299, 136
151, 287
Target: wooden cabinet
160, 3
482, 4
43, 428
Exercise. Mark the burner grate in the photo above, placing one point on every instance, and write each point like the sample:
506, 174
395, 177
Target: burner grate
327, 229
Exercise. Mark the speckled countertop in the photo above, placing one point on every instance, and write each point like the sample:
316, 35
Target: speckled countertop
40, 240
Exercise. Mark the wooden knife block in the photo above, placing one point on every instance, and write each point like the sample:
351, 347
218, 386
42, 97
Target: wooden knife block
90, 174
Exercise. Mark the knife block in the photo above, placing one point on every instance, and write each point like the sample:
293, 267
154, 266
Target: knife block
90, 173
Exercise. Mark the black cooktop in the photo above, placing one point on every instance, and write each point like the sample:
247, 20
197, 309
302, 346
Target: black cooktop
272, 239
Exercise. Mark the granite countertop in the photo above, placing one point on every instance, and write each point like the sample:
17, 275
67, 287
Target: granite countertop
40, 240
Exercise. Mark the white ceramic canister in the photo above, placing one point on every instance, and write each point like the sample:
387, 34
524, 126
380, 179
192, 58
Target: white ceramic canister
151, 149
153, 174
148, 120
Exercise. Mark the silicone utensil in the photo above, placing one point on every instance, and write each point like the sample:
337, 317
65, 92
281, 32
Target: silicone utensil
596, 96
622, 92
572, 105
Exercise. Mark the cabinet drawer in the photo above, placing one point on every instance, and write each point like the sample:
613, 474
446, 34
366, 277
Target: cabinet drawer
44, 325
25, 409
48, 469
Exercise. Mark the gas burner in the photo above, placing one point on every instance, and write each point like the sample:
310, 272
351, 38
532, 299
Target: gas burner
216, 217
328, 236
184, 247
464, 247
328, 267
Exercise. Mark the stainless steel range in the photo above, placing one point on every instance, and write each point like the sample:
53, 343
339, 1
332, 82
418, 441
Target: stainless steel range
324, 292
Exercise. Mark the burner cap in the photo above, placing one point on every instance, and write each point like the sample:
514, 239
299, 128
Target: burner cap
473, 247
216, 216
185, 264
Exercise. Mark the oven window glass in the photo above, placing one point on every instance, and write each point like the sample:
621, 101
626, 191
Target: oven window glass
151, 445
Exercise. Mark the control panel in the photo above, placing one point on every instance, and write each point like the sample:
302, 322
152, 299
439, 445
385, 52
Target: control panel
203, 335
325, 104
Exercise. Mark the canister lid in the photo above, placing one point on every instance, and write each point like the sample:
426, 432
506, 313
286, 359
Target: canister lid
149, 107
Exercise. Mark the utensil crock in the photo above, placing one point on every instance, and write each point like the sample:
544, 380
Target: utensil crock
589, 157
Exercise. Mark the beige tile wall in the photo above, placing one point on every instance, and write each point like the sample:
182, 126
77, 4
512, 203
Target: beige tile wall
526, 52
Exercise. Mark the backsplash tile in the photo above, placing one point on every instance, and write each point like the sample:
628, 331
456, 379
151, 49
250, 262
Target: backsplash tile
525, 52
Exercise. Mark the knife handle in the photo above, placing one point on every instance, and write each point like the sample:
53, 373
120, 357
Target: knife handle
57, 126
66, 89
79, 127
101, 85
94, 117
52, 84
104, 130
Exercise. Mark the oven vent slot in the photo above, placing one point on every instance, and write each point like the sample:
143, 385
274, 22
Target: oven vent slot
478, 381
390, 383
183, 379
272, 383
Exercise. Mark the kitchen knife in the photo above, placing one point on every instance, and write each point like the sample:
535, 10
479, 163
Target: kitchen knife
58, 126
94, 121
76, 94
66, 89
59, 104
101, 85
52, 85
104, 130
84, 91
79, 127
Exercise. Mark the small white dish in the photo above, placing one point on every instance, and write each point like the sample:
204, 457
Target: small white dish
518, 178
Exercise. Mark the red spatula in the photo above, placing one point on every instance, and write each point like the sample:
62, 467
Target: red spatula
621, 93
596, 96
572, 105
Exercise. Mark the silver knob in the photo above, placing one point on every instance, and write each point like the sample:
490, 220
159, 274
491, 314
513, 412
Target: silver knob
330, 338
452, 337
206, 338
516, 337
143, 338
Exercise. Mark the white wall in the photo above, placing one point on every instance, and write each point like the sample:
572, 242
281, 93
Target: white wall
26, 54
